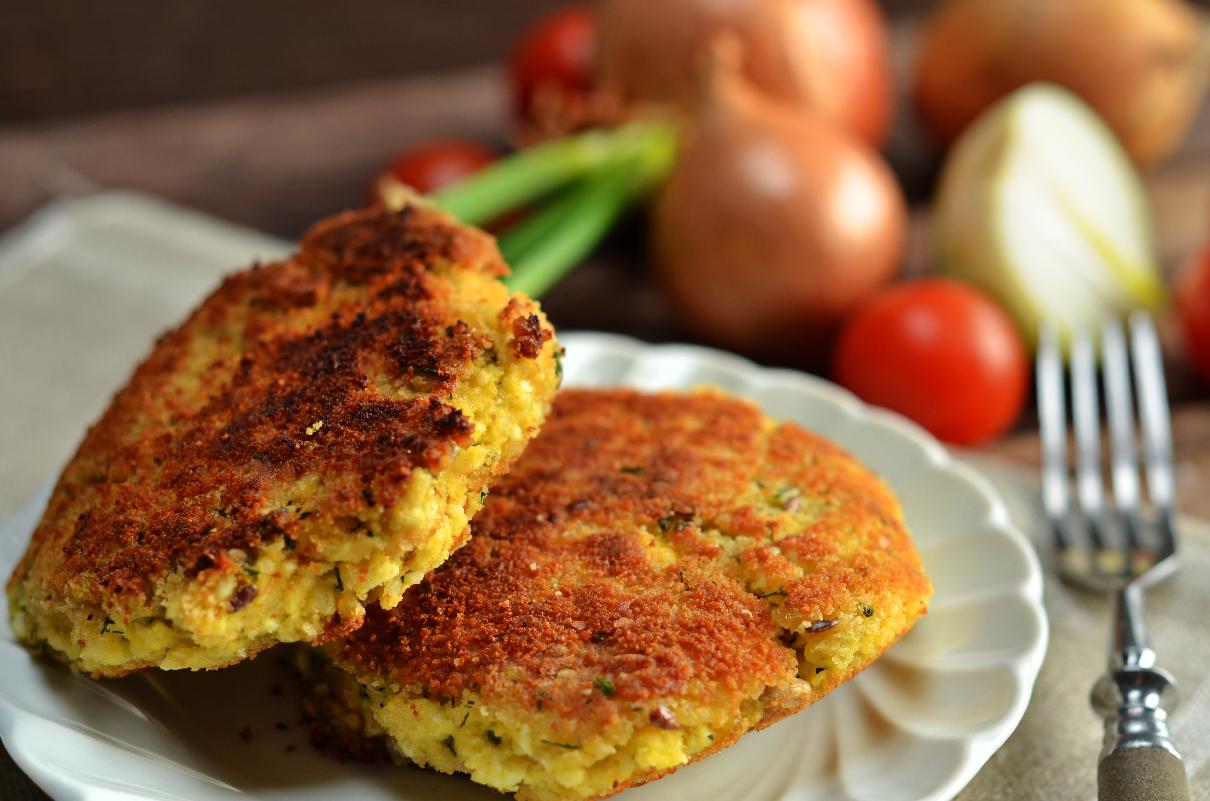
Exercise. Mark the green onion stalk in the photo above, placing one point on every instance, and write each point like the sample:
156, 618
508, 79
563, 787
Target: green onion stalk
581, 184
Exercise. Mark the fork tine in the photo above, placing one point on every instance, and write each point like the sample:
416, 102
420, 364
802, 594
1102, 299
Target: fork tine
1119, 407
1157, 430
1090, 488
1051, 418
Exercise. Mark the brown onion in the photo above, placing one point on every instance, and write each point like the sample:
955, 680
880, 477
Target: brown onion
773, 225
1141, 64
829, 55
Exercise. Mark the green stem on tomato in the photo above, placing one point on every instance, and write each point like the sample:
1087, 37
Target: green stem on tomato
545, 247
537, 171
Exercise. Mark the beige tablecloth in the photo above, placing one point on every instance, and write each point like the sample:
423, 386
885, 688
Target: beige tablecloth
81, 292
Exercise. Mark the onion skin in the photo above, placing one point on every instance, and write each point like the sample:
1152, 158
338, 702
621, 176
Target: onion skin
1141, 64
831, 56
773, 225
848, 64
1039, 206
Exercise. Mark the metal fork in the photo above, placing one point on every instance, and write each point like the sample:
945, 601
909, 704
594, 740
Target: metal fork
1116, 549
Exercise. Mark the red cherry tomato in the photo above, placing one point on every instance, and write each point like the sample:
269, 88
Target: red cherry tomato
1193, 308
439, 163
558, 53
938, 352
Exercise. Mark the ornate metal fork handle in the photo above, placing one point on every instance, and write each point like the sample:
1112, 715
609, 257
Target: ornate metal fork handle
1139, 759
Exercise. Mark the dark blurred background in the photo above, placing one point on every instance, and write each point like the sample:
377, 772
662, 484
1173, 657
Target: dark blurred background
296, 103
273, 114
61, 58
184, 99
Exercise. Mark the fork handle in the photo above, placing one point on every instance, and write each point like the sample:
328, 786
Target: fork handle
1142, 774
1139, 761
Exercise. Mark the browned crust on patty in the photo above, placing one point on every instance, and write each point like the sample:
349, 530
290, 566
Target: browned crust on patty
488, 620
335, 363
558, 586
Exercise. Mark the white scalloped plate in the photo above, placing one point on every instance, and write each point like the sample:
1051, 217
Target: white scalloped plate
916, 726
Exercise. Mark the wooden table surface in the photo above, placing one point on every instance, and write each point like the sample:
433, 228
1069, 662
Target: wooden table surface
277, 163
